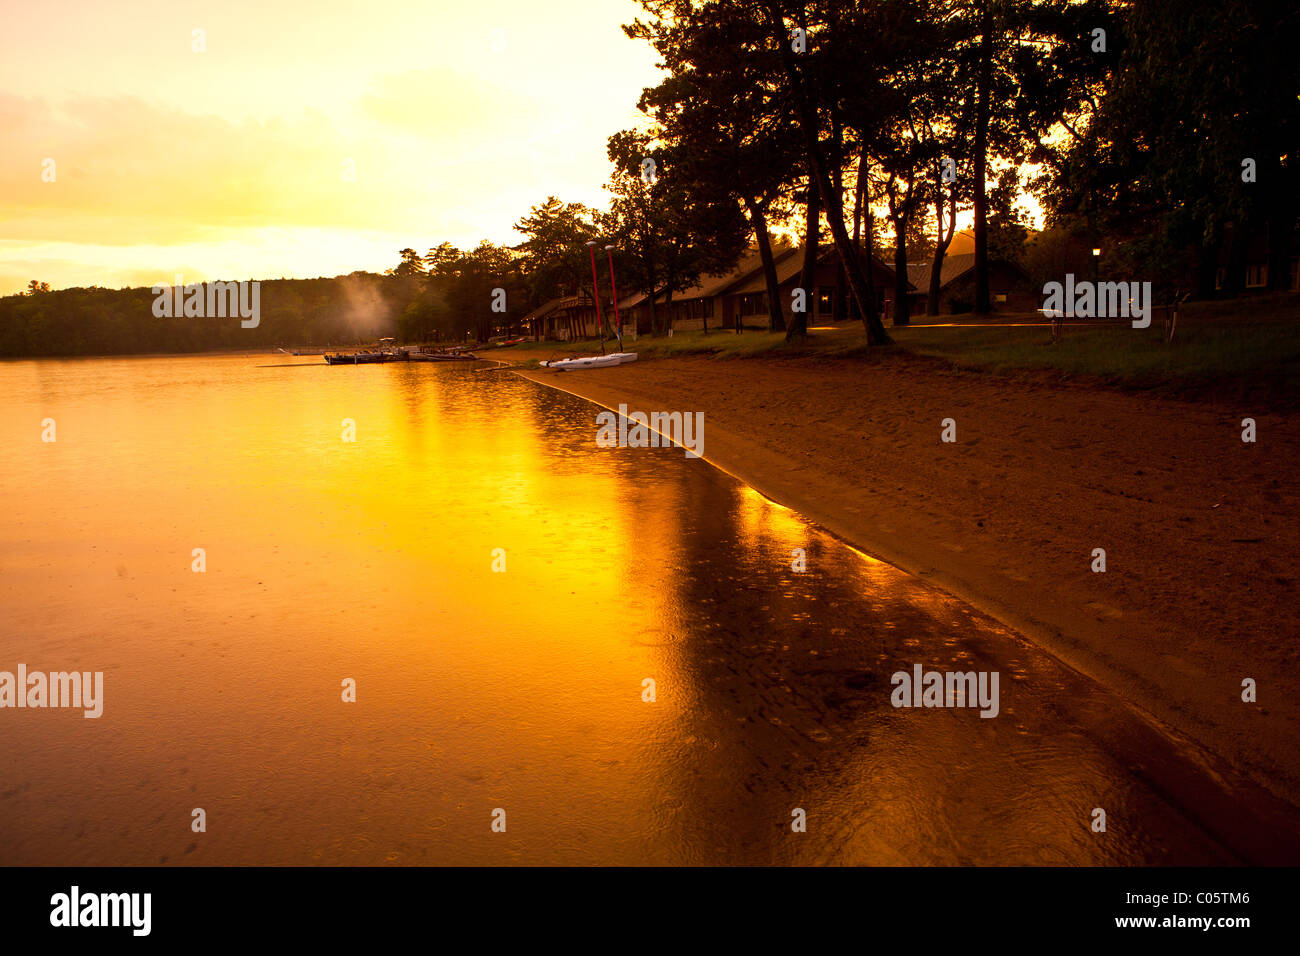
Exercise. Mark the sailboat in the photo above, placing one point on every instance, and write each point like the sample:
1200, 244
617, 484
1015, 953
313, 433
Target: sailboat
602, 360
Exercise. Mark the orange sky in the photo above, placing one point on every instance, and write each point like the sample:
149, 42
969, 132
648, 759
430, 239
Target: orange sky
230, 163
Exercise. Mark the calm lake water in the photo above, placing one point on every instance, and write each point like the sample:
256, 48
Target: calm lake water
476, 690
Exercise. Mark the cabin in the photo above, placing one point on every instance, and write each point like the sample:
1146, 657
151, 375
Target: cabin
566, 318
1256, 264
1010, 288
739, 296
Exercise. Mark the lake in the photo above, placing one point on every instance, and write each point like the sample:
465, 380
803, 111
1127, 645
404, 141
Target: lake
520, 689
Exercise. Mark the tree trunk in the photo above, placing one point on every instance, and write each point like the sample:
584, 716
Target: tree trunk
1207, 267
654, 316
1280, 221
1234, 282
869, 222
840, 307
940, 251
841, 283
902, 311
808, 274
775, 314
834, 204
982, 90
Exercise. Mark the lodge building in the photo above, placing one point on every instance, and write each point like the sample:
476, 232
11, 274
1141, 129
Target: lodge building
739, 296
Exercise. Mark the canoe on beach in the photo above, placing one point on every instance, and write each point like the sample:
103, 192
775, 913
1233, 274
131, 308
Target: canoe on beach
591, 361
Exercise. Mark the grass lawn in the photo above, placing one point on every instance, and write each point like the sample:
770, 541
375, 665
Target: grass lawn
1214, 341
1248, 342
1241, 346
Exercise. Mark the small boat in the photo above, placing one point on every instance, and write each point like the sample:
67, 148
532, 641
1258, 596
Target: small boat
359, 358
591, 361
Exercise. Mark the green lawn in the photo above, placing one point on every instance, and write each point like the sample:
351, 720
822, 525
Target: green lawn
1213, 342
1245, 343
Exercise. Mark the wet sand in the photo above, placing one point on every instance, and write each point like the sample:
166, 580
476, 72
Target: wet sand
1198, 527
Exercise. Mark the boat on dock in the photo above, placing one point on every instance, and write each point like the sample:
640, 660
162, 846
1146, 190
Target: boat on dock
389, 352
363, 358
452, 354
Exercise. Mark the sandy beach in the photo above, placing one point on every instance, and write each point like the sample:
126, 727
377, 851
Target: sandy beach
1197, 526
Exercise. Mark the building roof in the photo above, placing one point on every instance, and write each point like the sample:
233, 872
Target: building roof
726, 283
954, 267
787, 269
557, 305
918, 273
787, 265
747, 276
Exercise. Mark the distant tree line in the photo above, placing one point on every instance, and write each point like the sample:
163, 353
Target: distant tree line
346, 310
1163, 131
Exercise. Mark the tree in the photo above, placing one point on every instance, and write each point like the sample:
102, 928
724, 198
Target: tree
672, 227
410, 266
1031, 67
722, 111
554, 258
468, 284
1198, 88
809, 75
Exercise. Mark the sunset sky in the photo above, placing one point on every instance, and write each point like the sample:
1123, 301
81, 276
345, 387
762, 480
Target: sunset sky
230, 163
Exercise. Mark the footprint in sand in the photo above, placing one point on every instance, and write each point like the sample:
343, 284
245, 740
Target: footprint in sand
1104, 610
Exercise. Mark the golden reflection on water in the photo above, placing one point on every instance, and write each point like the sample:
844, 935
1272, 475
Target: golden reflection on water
373, 560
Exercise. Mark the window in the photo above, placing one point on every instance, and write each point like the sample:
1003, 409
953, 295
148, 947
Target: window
826, 300
1000, 297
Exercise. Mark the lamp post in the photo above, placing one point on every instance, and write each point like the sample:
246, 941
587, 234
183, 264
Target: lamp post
1096, 267
613, 291
595, 288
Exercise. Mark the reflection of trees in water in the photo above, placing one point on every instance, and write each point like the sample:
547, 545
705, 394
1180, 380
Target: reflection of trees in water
780, 666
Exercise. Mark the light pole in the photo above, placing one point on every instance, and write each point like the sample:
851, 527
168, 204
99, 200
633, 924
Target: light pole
595, 288
1096, 268
613, 291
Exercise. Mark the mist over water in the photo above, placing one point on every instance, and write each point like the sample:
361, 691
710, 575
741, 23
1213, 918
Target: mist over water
478, 690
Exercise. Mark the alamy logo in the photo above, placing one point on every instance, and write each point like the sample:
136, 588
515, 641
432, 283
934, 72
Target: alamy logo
923, 688
656, 430
1088, 300
210, 300
103, 909
56, 689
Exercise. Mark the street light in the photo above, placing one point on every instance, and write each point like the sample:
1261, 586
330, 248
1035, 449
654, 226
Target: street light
1096, 266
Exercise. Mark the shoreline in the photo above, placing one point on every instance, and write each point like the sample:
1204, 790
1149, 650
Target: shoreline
1169, 673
